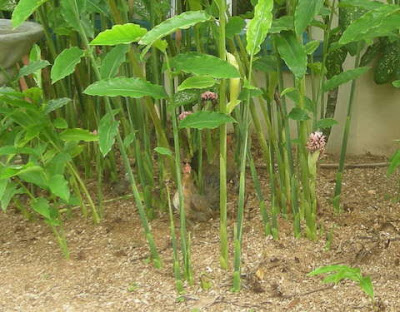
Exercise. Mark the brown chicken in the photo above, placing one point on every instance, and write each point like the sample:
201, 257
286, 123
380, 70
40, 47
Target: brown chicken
198, 207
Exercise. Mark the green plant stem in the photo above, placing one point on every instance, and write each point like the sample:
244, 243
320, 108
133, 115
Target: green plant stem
184, 237
345, 139
154, 254
223, 233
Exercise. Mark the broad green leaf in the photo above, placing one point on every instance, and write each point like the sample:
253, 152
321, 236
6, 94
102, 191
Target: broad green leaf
305, 12
55, 104
65, 63
163, 151
59, 187
328, 269
8, 172
113, 60
396, 83
41, 206
23, 10
366, 286
8, 194
3, 187
129, 139
78, 134
13, 150
394, 163
234, 26
376, 23
32, 68
119, 34
259, 25
108, 129
60, 123
181, 21
204, 64
364, 4
36, 177
205, 120
71, 11
284, 23
293, 53
122, 86
298, 114
56, 164
197, 82
266, 63
312, 46
186, 97
325, 123
344, 77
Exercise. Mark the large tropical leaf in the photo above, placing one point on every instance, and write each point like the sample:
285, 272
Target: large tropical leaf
205, 120
65, 63
32, 68
122, 86
293, 53
196, 82
204, 64
119, 34
113, 60
23, 10
108, 129
344, 77
375, 23
305, 12
259, 26
181, 21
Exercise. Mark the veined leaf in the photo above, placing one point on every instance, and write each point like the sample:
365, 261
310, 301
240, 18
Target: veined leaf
196, 82
204, 64
364, 4
59, 187
259, 25
298, 114
394, 163
52, 105
181, 21
305, 12
234, 26
32, 68
119, 34
205, 120
113, 60
325, 123
41, 206
78, 134
122, 86
344, 77
376, 23
163, 151
396, 83
23, 10
293, 53
283, 23
312, 46
71, 11
108, 129
65, 63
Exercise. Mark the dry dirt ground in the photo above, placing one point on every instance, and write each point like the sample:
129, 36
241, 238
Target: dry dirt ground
109, 269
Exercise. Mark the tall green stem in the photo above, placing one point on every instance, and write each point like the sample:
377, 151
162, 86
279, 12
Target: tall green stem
154, 254
346, 132
223, 233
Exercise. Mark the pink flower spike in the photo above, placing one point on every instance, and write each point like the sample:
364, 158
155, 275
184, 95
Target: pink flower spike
209, 96
183, 115
316, 142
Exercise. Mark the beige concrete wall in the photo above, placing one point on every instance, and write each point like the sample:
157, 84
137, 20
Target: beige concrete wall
375, 123
375, 117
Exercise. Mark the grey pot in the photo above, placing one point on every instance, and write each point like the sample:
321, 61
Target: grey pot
15, 43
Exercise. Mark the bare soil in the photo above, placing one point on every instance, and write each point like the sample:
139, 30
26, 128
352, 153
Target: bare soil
109, 268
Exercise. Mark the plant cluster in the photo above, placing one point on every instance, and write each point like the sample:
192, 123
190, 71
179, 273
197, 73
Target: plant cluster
106, 89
